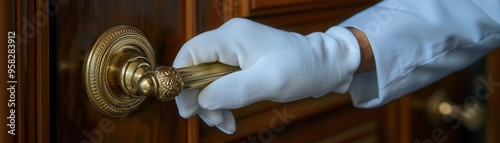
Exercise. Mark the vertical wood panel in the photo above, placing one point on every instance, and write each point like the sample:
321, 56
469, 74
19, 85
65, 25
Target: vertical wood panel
27, 24
30, 20
42, 74
191, 31
493, 121
7, 19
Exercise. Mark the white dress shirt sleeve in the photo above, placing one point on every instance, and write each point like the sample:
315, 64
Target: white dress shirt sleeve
417, 42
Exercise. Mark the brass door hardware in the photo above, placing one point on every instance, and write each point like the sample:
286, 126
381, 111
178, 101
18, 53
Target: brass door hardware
120, 71
440, 108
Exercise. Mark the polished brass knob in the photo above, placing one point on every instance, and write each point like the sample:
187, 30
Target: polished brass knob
120, 72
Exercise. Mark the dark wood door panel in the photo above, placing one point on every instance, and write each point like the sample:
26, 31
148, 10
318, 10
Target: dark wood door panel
77, 24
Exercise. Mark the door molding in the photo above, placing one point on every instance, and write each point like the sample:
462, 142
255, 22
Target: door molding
30, 21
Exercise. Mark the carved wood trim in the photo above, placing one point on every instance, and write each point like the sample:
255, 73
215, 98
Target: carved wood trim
257, 8
303, 16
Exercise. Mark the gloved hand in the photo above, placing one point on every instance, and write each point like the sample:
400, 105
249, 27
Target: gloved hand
276, 65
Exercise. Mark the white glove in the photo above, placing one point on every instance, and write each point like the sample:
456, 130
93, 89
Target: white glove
276, 65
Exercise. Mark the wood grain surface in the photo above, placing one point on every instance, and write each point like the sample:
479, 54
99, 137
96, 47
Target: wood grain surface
78, 23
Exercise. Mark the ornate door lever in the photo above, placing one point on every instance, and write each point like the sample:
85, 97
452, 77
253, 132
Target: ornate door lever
120, 72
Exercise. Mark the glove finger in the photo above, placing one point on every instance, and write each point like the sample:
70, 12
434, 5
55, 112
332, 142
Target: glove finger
237, 89
211, 117
204, 119
228, 126
183, 58
187, 103
204, 48
223, 45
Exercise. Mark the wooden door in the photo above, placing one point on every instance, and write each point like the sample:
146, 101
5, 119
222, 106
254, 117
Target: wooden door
76, 25
52, 105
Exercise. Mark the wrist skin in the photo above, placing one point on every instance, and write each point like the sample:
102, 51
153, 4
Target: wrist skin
367, 62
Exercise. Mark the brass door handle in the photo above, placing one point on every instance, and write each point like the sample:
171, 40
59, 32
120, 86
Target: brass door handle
120, 72
472, 115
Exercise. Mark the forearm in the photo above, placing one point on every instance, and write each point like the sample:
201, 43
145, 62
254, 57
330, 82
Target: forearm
415, 43
367, 62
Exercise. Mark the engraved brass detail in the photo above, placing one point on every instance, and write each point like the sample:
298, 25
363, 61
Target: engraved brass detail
118, 73
167, 80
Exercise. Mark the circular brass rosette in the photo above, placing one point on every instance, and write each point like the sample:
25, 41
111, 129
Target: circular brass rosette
118, 58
